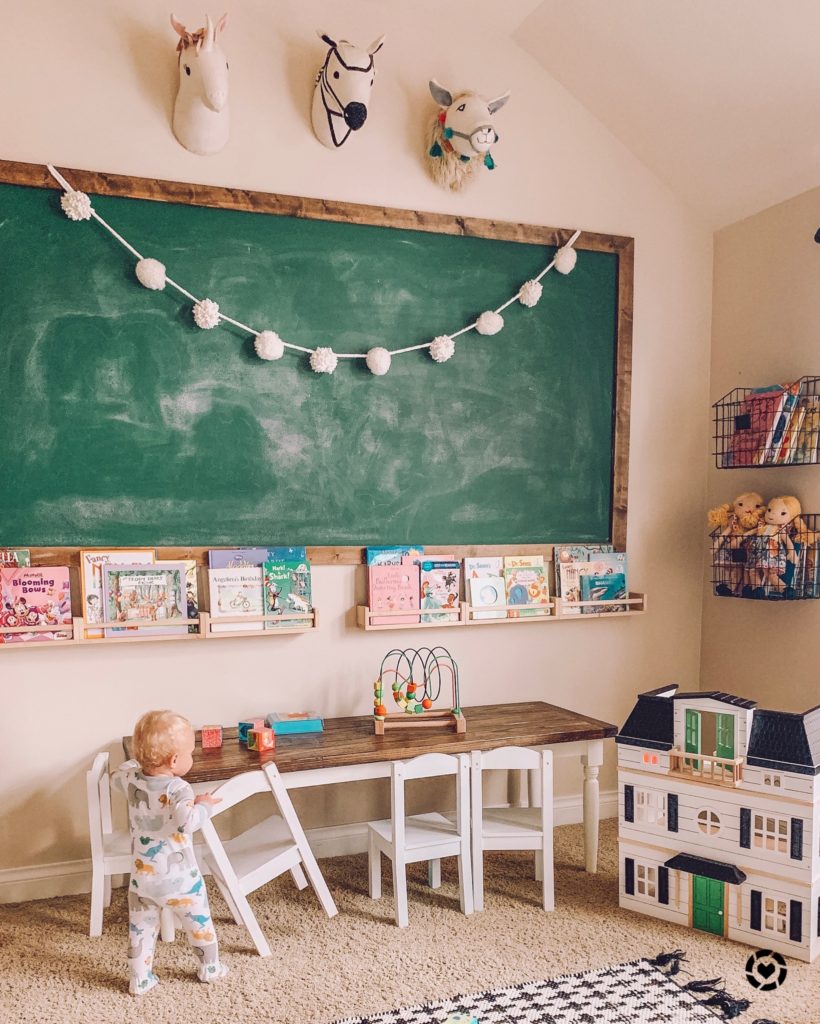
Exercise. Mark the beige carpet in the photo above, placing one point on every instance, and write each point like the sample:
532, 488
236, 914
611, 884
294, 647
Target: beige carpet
321, 970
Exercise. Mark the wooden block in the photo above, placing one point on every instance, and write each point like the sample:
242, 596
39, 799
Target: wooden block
211, 737
261, 740
245, 727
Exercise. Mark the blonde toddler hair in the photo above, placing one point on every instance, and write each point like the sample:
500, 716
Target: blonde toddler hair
156, 737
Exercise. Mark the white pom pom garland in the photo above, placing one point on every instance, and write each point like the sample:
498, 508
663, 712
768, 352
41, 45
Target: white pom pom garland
269, 345
151, 274
378, 361
323, 360
442, 348
206, 314
530, 293
489, 322
76, 205
565, 259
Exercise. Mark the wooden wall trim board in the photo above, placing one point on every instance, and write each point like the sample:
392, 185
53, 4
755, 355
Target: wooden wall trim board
102, 183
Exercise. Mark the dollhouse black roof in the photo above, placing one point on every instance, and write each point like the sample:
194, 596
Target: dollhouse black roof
652, 721
785, 741
707, 868
724, 698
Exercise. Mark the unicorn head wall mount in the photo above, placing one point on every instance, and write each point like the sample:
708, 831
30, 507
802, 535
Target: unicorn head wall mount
201, 114
341, 99
461, 135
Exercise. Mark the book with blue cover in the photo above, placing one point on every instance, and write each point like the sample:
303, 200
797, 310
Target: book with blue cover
609, 586
392, 554
293, 723
238, 558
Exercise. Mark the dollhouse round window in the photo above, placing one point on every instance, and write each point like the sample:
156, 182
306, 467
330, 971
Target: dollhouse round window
709, 822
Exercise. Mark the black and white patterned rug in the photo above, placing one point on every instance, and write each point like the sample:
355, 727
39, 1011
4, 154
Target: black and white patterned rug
633, 993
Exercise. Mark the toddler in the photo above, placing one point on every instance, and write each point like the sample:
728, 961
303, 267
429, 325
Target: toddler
164, 814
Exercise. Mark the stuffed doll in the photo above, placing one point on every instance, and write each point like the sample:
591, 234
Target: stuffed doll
730, 523
772, 552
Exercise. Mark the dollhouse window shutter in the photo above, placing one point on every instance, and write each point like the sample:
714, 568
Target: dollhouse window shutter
672, 813
629, 876
796, 921
746, 828
663, 885
629, 803
756, 910
797, 839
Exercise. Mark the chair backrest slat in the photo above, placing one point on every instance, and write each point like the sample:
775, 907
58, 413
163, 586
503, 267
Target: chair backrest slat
239, 788
93, 784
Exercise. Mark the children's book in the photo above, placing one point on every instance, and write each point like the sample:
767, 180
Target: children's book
439, 588
808, 436
191, 593
786, 452
393, 588
563, 554
775, 438
138, 595
39, 596
392, 554
571, 574
484, 586
757, 415
236, 558
286, 590
92, 561
526, 584
284, 724
606, 587
14, 558
236, 590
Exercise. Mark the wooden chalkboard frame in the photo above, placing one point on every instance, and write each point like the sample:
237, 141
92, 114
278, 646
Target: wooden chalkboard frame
102, 183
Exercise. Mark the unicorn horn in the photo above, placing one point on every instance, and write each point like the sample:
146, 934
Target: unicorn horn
208, 41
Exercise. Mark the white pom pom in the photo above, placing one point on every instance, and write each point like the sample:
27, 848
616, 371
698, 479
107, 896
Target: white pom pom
323, 360
76, 205
442, 348
530, 293
269, 345
378, 361
206, 314
151, 274
489, 322
565, 259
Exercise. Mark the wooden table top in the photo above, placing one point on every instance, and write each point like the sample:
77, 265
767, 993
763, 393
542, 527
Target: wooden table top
348, 741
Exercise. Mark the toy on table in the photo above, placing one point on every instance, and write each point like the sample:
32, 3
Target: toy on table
772, 556
729, 524
284, 724
414, 678
245, 727
211, 737
261, 740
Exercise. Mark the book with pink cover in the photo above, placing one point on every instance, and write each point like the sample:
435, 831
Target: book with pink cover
393, 588
439, 588
39, 596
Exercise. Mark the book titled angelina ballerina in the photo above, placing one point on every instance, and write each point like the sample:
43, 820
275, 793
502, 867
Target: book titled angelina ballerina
39, 596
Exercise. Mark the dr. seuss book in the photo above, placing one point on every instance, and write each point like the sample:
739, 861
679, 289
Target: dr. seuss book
393, 588
488, 592
138, 595
34, 597
527, 586
563, 554
286, 592
92, 561
14, 558
439, 588
608, 586
236, 591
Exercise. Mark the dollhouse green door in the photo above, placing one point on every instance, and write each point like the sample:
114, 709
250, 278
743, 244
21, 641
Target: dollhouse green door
692, 737
707, 904
725, 735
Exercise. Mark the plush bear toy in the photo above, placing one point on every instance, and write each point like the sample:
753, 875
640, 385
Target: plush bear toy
730, 523
772, 555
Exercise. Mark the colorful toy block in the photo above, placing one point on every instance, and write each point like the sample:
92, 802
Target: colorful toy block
211, 737
261, 740
245, 727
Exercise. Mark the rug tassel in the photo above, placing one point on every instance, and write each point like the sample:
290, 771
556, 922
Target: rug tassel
729, 1007
707, 985
764, 1020
671, 960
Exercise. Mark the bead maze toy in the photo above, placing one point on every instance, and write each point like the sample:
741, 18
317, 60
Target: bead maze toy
415, 678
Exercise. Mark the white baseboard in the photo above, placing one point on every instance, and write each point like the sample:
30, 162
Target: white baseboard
71, 877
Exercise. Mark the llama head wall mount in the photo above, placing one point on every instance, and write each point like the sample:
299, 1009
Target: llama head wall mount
461, 135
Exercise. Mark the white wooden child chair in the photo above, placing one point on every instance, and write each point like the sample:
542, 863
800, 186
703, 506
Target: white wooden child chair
423, 836
514, 828
110, 848
262, 853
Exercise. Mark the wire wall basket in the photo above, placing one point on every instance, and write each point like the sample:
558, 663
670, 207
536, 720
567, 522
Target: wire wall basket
781, 566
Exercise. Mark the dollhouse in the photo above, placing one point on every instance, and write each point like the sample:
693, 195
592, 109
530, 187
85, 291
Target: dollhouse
719, 818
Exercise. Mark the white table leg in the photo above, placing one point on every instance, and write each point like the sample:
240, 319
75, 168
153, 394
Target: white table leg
592, 761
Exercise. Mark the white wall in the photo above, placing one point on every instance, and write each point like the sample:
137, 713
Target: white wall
766, 316
95, 91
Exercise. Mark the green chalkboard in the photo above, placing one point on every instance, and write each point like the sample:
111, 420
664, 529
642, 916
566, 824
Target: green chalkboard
122, 423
